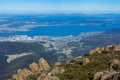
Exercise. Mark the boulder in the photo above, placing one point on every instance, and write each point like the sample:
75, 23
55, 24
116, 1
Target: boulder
98, 50
105, 75
14, 76
109, 75
78, 58
24, 72
91, 52
57, 70
57, 64
85, 61
115, 64
117, 48
17, 77
98, 75
34, 67
110, 48
44, 64
103, 49
21, 74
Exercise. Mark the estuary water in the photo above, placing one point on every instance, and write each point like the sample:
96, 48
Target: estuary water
68, 24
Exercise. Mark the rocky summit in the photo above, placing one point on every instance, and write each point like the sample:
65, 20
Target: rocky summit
102, 63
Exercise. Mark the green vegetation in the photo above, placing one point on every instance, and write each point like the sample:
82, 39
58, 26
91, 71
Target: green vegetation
33, 76
78, 71
99, 62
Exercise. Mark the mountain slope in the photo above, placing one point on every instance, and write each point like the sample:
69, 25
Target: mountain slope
76, 46
99, 64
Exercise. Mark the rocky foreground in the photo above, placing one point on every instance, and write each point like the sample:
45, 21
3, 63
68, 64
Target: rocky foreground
99, 64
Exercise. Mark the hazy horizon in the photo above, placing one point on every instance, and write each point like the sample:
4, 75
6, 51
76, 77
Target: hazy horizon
61, 6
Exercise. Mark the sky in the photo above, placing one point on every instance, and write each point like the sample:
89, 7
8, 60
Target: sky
59, 6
